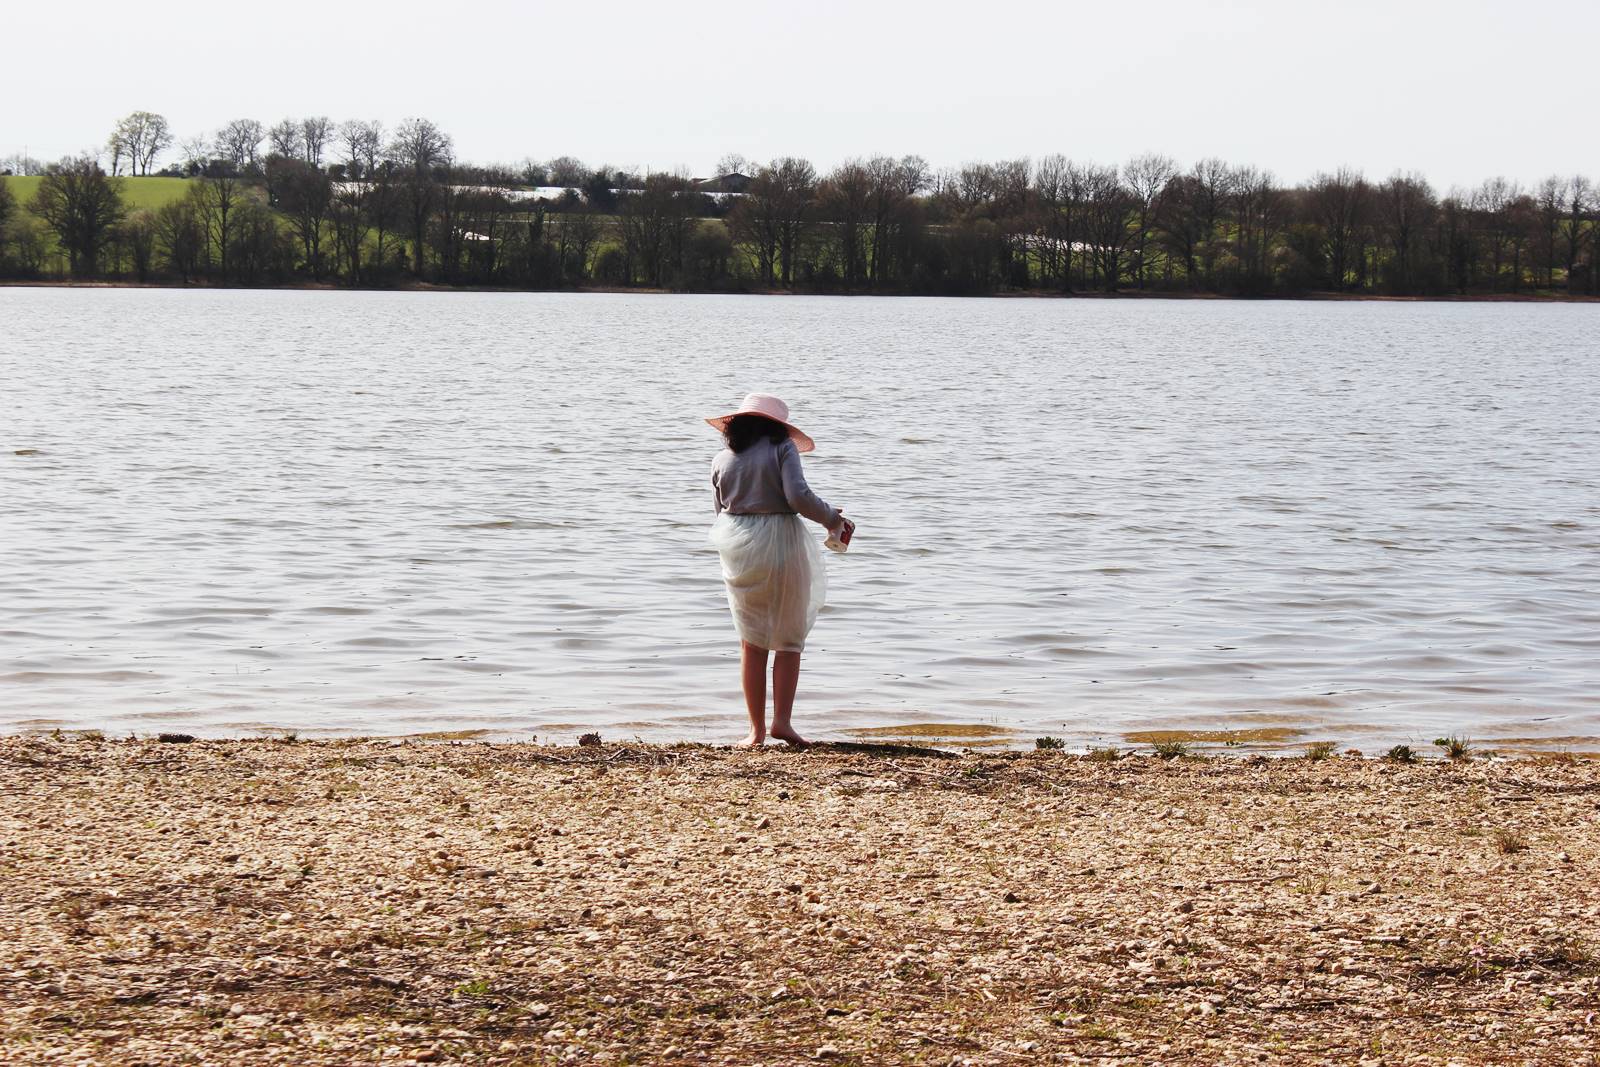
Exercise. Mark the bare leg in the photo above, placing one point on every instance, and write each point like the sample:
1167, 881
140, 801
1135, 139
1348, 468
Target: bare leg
753, 674
785, 679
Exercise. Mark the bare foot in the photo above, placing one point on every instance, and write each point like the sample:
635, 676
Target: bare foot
788, 735
751, 740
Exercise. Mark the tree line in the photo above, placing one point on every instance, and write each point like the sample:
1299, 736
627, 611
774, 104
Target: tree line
313, 201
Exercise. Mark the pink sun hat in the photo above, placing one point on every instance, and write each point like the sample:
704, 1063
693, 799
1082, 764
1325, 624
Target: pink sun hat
768, 407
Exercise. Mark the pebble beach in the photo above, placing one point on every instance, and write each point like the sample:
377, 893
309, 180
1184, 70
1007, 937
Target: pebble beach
342, 902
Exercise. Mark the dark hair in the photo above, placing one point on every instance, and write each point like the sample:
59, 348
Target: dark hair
743, 431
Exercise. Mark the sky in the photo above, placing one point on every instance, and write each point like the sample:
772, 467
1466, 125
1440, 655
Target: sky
1459, 91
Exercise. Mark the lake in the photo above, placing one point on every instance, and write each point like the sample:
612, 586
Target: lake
236, 512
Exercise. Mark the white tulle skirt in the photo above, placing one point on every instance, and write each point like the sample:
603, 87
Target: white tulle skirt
776, 577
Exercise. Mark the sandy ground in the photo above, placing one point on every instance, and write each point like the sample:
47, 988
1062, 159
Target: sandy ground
255, 902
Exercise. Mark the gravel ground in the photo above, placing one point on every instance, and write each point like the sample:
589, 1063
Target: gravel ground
263, 902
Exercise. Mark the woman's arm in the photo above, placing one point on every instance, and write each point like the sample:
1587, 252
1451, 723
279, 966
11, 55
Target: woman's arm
799, 494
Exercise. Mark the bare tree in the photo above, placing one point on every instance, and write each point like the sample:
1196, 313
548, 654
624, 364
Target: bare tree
1407, 205
1181, 222
733, 163
770, 220
756, 222
1338, 203
305, 198
22, 165
970, 187
361, 146
1051, 216
797, 180
196, 151
1493, 202
80, 204
580, 234
137, 236
139, 138
1210, 183
240, 144
1578, 194
421, 151
655, 224
315, 134
1146, 178
180, 237
283, 140
894, 183
218, 204
1257, 213
846, 202
1107, 224
566, 172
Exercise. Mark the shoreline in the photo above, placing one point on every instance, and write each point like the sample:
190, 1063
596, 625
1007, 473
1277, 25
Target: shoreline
276, 902
1009, 294
938, 740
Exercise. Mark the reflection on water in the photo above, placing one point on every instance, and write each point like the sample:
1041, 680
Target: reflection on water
228, 512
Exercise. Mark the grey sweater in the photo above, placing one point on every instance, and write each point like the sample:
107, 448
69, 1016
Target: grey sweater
765, 479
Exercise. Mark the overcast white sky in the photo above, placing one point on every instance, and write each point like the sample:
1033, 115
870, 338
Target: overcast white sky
1460, 90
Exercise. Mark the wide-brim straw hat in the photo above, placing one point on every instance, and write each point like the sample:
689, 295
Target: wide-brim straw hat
769, 407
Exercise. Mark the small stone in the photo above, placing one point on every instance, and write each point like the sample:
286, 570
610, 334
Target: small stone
1011, 898
825, 1052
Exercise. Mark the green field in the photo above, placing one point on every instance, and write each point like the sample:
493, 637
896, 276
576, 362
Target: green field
138, 193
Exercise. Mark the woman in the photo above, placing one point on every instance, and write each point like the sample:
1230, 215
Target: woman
772, 565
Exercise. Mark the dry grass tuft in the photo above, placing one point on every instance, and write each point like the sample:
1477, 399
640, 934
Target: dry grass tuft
1509, 842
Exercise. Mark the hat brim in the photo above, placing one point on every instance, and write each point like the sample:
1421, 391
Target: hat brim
802, 440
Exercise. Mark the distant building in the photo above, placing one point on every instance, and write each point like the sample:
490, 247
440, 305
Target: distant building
724, 183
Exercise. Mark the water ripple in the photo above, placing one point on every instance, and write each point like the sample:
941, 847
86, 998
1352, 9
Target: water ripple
487, 512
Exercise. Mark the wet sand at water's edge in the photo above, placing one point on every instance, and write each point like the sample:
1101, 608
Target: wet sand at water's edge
255, 902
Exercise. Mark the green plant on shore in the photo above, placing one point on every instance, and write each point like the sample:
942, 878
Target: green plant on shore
1317, 751
478, 987
1048, 743
1401, 754
1171, 749
1455, 746
1105, 754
